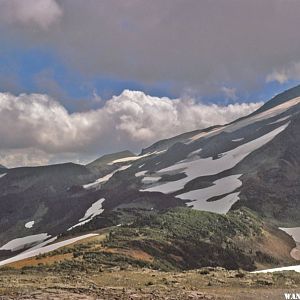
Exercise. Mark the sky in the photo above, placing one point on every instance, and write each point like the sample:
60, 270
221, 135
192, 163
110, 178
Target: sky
81, 78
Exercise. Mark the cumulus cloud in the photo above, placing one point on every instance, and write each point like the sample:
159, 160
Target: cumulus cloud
282, 75
39, 130
42, 13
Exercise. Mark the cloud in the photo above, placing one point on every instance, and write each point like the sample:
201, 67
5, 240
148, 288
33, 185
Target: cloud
290, 72
202, 45
24, 157
230, 93
39, 130
42, 13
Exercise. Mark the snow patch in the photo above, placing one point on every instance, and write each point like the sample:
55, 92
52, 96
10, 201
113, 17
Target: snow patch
280, 120
220, 187
104, 178
95, 210
289, 268
142, 173
238, 140
40, 245
221, 206
29, 224
44, 249
210, 166
2, 175
205, 134
194, 153
133, 158
148, 179
21, 243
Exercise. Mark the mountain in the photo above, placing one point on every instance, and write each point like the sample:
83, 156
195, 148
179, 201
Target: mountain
105, 160
2, 167
246, 169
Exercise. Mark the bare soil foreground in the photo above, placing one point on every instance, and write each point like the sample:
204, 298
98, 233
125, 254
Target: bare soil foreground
206, 283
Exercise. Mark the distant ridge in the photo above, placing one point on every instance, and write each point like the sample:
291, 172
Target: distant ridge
107, 158
279, 99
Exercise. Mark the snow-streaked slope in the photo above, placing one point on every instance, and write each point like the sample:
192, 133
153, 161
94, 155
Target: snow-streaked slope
268, 114
277, 110
21, 243
45, 249
207, 134
220, 187
134, 158
2, 175
95, 210
280, 120
104, 178
210, 166
125, 159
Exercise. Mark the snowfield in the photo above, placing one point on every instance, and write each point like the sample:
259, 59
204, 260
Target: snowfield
290, 268
44, 249
23, 242
220, 187
210, 166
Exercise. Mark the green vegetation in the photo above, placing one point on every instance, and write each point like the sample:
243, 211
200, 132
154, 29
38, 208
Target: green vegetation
178, 239
186, 239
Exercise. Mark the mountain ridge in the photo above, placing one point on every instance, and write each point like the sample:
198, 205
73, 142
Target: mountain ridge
251, 163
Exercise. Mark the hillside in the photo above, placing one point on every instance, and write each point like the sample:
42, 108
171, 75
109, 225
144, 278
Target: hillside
179, 239
146, 259
102, 164
249, 167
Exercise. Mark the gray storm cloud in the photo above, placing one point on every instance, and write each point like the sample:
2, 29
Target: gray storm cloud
38, 129
41, 13
202, 45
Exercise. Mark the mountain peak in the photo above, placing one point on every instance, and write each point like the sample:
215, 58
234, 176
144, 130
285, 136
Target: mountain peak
281, 98
107, 158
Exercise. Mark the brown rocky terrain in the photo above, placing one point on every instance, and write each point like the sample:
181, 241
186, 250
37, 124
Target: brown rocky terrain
205, 283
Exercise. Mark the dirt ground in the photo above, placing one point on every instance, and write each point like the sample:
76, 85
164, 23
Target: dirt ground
207, 283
